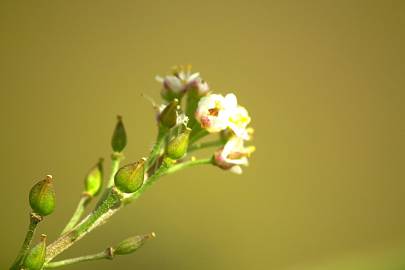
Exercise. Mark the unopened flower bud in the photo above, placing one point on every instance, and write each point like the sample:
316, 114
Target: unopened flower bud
177, 147
168, 117
42, 197
130, 178
132, 244
119, 138
36, 256
94, 179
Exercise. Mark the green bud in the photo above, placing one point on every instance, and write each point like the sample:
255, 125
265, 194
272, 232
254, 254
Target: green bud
94, 179
119, 138
129, 178
177, 147
35, 258
131, 244
42, 197
168, 117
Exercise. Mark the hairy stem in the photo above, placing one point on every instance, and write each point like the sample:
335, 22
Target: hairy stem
93, 257
34, 220
84, 201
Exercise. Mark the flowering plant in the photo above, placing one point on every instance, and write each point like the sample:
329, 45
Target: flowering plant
189, 113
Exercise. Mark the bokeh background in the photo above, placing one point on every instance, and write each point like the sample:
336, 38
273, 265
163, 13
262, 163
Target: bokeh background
323, 81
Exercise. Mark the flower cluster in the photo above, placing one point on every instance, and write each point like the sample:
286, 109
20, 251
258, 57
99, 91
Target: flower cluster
213, 113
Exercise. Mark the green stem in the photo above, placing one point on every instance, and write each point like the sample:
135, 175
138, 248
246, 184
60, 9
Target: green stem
92, 257
110, 205
197, 136
84, 201
149, 182
105, 210
116, 159
165, 169
157, 148
34, 220
115, 165
198, 146
188, 164
191, 106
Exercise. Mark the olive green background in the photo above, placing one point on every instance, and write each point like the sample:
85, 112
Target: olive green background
323, 81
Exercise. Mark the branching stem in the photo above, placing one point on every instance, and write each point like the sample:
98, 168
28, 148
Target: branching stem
110, 205
84, 201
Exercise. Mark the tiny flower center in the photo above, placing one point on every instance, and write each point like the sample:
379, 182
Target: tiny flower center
213, 111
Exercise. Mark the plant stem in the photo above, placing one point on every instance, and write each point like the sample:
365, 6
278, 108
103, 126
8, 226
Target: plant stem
116, 159
187, 164
104, 211
98, 256
154, 154
84, 201
34, 220
191, 106
114, 201
198, 146
197, 136
115, 165
149, 182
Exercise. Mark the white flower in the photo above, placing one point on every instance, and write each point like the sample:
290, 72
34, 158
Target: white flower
238, 121
214, 111
233, 155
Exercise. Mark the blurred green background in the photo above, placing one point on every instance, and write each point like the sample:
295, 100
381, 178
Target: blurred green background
324, 83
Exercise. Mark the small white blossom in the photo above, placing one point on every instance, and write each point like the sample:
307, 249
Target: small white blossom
238, 121
213, 111
233, 155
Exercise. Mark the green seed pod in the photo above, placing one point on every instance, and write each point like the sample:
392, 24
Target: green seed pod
35, 258
177, 147
42, 197
119, 138
129, 178
94, 179
132, 244
168, 117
